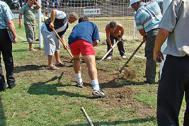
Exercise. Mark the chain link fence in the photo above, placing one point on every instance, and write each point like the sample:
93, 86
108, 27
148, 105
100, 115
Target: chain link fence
99, 11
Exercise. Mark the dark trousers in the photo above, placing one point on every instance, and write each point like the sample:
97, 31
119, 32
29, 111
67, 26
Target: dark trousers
150, 71
174, 83
6, 54
119, 45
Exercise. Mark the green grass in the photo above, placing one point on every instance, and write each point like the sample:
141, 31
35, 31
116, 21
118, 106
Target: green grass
39, 100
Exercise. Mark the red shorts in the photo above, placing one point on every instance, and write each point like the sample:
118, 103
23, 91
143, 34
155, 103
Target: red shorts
82, 47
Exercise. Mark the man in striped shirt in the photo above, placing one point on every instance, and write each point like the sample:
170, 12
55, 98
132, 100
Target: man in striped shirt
147, 18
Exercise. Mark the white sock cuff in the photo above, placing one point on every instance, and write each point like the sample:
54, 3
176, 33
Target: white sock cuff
78, 76
95, 85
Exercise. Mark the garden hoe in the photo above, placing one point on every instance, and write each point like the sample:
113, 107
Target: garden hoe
124, 71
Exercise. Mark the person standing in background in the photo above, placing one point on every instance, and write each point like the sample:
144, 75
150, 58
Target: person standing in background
29, 10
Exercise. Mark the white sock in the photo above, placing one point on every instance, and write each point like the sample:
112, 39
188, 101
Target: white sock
95, 85
78, 78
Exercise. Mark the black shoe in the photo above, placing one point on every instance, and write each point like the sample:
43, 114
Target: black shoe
11, 86
2, 83
2, 89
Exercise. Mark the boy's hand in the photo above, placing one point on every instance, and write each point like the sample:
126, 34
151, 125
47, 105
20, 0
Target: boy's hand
95, 43
51, 25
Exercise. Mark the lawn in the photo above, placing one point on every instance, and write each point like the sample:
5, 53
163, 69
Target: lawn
39, 100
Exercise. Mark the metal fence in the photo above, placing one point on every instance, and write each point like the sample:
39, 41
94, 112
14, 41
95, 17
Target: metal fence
100, 11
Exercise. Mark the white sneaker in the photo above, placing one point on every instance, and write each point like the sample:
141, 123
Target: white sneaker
124, 57
80, 84
98, 94
109, 58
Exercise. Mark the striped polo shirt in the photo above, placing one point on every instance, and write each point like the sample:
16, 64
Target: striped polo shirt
148, 16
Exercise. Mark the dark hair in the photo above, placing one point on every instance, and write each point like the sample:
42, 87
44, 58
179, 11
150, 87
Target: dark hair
113, 24
82, 19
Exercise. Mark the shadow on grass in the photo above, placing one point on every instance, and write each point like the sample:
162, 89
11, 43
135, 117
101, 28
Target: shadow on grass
115, 123
117, 83
2, 114
41, 88
19, 50
19, 69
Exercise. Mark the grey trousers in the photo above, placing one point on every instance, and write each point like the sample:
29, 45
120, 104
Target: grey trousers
150, 71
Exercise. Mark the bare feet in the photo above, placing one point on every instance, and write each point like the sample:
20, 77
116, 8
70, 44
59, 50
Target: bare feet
32, 49
53, 68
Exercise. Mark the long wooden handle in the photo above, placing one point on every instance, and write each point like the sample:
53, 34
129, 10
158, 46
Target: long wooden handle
87, 117
63, 43
131, 56
108, 51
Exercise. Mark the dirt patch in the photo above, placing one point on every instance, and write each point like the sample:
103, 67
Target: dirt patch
118, 94
118, 97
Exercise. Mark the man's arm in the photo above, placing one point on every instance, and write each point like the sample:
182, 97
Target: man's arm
53, 15
143, 33
95, 43
12, 28
160, 39
108, 37
10, 24
121, 29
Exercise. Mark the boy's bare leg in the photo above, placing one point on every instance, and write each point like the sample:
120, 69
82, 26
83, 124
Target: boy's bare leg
57, 57
91, 65
92, 71
77, 70
31, 47
51, 64
76, 65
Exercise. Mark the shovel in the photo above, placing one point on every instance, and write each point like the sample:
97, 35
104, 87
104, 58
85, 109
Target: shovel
108, 51
63, 43
125, 65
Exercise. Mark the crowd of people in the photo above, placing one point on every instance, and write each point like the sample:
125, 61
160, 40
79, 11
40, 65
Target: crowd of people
154, 27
